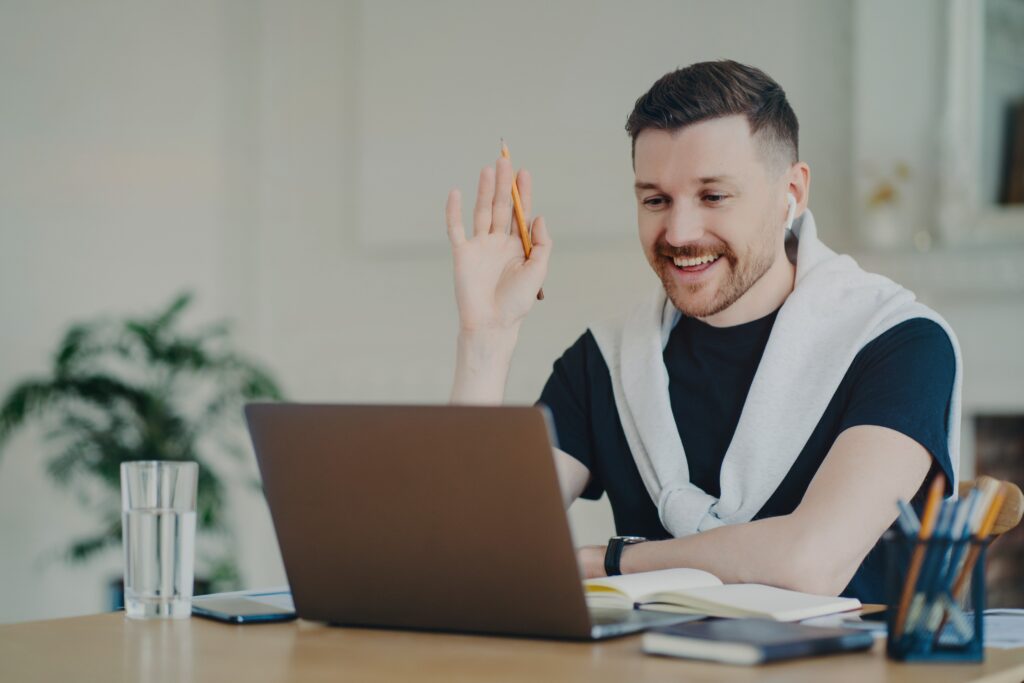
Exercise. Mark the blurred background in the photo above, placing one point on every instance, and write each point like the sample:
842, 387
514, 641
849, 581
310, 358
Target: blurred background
286, 163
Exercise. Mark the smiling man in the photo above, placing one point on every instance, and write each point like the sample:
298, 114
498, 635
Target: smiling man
759, 414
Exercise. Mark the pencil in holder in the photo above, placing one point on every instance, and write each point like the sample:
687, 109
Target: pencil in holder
938, 616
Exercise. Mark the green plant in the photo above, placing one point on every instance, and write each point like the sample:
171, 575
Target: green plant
141, 389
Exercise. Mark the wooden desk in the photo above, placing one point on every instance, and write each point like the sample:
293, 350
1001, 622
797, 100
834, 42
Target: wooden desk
110, 647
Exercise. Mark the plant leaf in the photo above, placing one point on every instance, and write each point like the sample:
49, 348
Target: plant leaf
26, 400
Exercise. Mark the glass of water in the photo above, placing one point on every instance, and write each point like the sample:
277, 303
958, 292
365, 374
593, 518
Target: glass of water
158, 517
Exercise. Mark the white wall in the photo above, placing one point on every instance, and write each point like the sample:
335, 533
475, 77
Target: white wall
116, 191
150, 147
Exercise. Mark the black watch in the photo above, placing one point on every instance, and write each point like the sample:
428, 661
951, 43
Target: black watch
614, 552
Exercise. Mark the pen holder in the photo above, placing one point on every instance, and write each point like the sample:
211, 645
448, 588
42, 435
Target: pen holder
936, 625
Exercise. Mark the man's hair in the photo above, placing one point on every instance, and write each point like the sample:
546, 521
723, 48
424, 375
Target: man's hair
710, 90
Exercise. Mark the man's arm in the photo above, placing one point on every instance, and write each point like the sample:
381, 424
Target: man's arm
818, 547
481, 371
495, 284
573, 476
482, 362
495, 287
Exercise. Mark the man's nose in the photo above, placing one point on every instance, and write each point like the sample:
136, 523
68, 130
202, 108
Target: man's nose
684, 225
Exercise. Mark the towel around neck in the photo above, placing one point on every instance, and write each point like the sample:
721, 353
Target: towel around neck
835, 309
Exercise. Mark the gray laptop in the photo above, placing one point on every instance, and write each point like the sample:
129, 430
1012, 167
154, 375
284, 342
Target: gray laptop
426, 517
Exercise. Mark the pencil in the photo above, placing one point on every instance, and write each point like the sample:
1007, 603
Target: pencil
986, 529
930, 566
931, 509
517, 206
960, 535
972, 555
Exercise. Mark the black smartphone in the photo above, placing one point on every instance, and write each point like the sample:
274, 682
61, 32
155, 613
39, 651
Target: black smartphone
240, 610
880, 615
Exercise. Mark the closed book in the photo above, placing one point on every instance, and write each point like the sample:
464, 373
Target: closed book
751, 641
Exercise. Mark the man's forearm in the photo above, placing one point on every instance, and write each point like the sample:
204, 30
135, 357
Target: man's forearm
778, 551
482, 362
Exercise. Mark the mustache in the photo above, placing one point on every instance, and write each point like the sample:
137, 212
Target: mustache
694, 250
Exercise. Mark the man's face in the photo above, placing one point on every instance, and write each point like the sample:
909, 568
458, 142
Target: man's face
708, 212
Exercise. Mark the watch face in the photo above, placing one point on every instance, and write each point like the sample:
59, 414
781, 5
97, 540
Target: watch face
629, 539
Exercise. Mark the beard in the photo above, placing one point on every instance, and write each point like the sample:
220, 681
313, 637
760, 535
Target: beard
741, 272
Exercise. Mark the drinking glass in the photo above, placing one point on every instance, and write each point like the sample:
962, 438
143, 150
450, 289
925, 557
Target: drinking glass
158, 516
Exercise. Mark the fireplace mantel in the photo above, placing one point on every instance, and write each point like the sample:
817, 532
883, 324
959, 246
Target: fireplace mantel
954, 276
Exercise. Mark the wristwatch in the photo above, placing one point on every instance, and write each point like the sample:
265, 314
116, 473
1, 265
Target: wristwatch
614, 552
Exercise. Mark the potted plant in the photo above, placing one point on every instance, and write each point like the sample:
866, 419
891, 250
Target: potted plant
142, 389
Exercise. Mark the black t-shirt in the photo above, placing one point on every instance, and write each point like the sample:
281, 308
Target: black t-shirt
902, 380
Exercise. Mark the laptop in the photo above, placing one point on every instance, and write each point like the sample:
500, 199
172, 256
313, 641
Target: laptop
443, 518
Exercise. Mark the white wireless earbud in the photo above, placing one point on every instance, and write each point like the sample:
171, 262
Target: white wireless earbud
792, 211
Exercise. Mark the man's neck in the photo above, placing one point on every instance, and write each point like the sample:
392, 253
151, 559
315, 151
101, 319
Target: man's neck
767, 295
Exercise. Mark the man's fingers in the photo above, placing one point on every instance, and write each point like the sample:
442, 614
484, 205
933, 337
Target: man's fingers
484, 199
501, 210
540, 237
525, 184
453, 216
540, 252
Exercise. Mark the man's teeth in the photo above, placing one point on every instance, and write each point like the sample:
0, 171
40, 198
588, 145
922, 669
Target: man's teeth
690, 262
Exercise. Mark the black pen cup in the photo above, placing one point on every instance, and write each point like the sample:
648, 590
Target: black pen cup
940, 617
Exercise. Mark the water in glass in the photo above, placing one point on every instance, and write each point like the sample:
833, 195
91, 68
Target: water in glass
159, 551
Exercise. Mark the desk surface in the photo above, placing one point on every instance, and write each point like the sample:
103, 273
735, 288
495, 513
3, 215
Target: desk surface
110, 647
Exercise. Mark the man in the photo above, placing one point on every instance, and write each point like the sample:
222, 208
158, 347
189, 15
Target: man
761, 414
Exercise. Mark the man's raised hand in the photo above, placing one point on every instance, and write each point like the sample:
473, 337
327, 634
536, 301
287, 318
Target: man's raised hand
495, 285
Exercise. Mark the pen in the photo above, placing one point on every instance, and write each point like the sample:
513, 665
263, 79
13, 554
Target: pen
931, 510
908, 521
961, 534
517, 206
935, 552
989, 520
983, 532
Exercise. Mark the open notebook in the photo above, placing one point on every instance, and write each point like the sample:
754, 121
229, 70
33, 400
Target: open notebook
692, 591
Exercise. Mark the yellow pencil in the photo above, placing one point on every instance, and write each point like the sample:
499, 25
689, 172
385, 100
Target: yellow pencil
931, 511
983, 532
517, 205
988, 522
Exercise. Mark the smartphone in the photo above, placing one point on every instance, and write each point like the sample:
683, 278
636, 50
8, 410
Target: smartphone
240, 610
880, 615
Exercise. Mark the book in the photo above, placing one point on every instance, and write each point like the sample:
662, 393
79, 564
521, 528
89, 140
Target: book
751, 641
692, 591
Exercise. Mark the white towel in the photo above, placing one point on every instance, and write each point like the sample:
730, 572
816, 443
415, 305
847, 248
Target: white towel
835, 309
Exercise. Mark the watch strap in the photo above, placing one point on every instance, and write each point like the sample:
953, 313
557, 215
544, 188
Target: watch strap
613, 554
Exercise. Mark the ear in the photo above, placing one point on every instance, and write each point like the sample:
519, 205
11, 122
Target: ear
798, 181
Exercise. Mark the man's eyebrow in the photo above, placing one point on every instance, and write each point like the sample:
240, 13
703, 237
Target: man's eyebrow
706, 180
644, 185
720, 178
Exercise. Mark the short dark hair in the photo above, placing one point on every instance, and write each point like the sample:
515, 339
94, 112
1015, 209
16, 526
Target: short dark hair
709, 90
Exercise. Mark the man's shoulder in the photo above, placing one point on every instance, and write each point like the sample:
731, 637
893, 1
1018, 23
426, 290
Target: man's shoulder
918, 334
584, 352
916, 346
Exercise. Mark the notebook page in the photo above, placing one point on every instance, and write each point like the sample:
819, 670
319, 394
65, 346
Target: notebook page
635, 586
757, 600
